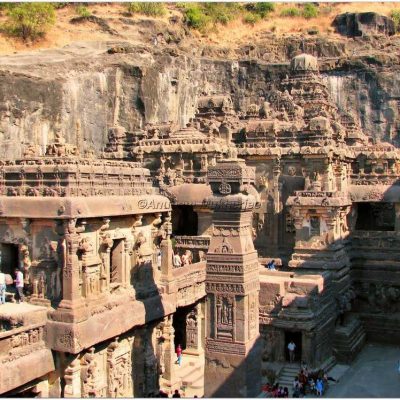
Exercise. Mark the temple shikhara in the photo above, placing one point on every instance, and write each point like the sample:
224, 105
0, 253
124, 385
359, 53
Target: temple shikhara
162, 239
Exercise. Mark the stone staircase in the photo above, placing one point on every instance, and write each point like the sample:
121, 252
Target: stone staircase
287, 375
191, 375
348, 340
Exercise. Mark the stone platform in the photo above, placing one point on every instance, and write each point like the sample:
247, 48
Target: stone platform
373, 374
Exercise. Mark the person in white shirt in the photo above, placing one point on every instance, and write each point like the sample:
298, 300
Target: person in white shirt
291, 347
177, 261
19, 285
2, 288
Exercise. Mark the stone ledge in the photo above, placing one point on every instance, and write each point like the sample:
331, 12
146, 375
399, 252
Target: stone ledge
74, 337
18, 372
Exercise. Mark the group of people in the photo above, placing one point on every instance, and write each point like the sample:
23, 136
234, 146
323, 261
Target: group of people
185, 259
311, 382
175, 395
19, 286
276, 390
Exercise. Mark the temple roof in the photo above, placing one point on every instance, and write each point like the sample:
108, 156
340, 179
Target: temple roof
188, 193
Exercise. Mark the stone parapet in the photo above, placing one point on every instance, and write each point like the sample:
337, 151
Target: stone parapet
23, 344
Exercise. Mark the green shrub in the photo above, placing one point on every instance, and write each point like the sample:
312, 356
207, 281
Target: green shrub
251, 19
395, 15
290, 12
202, 16
149, 9
262, 9
310, 11
195, 18
30, 20
83, 11
220, 12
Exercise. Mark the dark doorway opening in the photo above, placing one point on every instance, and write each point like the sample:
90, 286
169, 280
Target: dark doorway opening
179, 324
9, 258
184, 221
375, 216
296, 338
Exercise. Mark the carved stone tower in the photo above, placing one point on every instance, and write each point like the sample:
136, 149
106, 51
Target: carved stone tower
233, 362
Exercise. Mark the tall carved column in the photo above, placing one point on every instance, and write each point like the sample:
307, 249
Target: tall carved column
233, 347
126, 267
71, 291
169, 380
276, 171
167, 278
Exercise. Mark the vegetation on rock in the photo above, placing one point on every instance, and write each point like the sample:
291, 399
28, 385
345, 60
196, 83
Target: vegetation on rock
310, 11
30, 20
149, 9
290, 12
83, 11
395, 15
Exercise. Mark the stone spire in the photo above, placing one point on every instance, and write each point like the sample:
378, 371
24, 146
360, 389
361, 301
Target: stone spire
233, 361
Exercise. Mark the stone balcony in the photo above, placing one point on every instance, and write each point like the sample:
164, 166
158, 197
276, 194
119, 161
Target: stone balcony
93, 325
24, 356
198, 245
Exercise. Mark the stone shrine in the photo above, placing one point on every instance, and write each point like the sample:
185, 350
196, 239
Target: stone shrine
162, 239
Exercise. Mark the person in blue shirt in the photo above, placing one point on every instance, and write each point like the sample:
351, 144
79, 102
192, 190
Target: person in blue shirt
271, 265
319, 386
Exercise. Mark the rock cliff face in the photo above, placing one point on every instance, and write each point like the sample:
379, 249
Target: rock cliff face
84, 89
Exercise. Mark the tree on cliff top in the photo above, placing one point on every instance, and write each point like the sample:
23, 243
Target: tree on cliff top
30, 20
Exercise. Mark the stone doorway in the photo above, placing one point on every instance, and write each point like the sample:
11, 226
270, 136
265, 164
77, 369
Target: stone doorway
184, 221
9, 258
296, 337
179, 324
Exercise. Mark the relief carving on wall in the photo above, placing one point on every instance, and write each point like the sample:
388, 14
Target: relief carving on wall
225, 316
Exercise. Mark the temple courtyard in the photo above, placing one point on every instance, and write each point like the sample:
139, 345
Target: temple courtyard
374, 373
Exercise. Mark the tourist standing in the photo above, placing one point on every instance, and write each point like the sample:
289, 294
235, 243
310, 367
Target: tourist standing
176, 395
291, 347
159, 258
19, 285
179, 354
2, 288
319, 387
177, 261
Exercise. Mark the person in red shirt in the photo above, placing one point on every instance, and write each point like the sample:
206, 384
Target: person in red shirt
179, 354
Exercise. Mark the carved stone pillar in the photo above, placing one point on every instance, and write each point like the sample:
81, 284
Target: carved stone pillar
233, 346
107, 245
72, 379
167, 278
71, 290
126, 267
169, 377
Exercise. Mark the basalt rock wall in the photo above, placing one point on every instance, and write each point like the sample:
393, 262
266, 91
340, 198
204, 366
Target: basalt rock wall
85, 89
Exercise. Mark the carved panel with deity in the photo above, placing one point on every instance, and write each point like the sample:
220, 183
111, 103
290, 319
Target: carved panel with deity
93, 378
119, 368
225, 316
